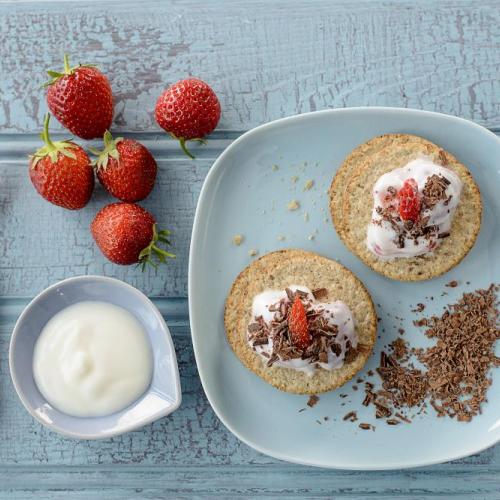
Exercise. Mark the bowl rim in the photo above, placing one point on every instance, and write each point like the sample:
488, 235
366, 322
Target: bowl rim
196, 236
105, 435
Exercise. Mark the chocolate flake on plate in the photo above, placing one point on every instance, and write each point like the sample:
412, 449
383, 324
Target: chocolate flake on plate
312, 401
454, 378
352, 416
365, 426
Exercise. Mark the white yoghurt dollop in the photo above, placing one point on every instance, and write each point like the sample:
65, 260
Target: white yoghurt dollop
337, 313
381, 236
92, 359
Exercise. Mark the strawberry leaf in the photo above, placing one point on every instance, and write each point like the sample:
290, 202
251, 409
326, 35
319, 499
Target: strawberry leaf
153, 254
52, 149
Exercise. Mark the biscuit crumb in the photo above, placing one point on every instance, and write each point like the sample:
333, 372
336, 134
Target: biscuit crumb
311, 237
294, 179
308, 185
253, 252
293, 205
281, 237
275, 168
238, 239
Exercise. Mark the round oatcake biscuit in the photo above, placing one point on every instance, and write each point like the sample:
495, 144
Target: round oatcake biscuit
399, 149
278, 270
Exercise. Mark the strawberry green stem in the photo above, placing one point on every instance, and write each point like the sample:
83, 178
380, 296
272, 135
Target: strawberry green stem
45, 136
110, 150
182, 142
67, 68
51, 149
153, 254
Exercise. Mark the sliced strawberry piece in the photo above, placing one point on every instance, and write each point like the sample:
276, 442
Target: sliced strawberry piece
409, 201
297, 325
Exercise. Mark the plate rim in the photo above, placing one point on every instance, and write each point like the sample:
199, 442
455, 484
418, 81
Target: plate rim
202, 199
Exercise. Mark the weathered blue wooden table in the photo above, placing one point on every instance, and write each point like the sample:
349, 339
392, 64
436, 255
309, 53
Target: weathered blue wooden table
265, 60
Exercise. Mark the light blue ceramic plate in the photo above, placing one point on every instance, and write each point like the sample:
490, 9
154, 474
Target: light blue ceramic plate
163, 395
243, 194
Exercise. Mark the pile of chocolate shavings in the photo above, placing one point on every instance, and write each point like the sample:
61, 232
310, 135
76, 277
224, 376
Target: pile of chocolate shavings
323, 334
434, 191
458, 365
455, 374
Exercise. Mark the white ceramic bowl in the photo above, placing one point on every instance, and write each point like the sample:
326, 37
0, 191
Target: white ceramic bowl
164, 393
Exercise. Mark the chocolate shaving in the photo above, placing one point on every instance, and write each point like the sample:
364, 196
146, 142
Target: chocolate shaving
403, 418
365, 426
320, 293
399, 348
452, 284
419, 307
312, 401
352, 416
434, 191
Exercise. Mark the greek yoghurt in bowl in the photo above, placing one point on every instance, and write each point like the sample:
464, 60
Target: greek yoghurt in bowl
92, 359
56, 327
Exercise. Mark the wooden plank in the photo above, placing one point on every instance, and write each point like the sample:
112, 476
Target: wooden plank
249, 481
268, 61
191, 437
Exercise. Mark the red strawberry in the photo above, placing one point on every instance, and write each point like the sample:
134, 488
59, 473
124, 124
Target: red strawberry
125, 168
61, 172
126, 233
81, 99
189, 110
297, 325
409, 201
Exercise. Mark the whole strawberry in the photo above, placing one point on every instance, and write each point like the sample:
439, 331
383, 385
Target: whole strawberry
81, 99
125, 168
126, 234
61, 172
189, 110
